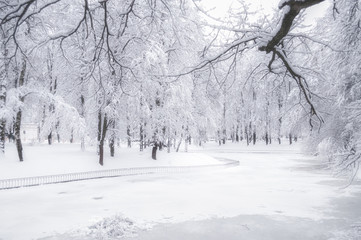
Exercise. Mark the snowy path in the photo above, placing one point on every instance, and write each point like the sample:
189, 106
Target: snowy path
275, 193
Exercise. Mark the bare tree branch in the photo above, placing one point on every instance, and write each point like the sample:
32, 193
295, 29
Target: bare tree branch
294, 8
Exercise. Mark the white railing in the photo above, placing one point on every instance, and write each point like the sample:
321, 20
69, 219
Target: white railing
70, 177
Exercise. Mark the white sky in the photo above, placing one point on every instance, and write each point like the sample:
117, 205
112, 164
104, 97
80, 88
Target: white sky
222, 6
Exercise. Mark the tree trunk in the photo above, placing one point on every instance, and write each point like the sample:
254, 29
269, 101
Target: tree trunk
72, 136
2, 120
145, 142
180, 142
112, 139
82, 114
101, 152
168, 145
290, 138
141, 138
50, 138
111, 146
246, 134
17, 126
99, 131
254, 136
102, 139
266, 138
270, 138
4, 68
241, 134
279, 130
19, 146
224, 137
237, 133
129, 137
219, 138
154, 151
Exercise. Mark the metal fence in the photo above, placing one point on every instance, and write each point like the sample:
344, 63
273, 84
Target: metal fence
71, 177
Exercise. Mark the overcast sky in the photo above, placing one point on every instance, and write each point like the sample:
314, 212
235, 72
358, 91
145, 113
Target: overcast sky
222, 6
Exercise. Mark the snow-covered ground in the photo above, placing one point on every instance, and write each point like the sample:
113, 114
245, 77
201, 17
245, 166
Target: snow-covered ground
68, 158
275, 193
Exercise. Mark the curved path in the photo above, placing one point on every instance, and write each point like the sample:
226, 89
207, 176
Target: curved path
80, 176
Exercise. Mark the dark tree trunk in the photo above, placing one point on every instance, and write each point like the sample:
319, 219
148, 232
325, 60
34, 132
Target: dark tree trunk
111, 146
112, 139
99, 130
129, 137
237, 133
102, 139
41, 125
168, 145
241, 134
141, 138
51, 110
50, 138
145, 143
101, 152
53, 86
254, 137
17, 126
154, 151
19, 145
224, 136
290, 138
266, 138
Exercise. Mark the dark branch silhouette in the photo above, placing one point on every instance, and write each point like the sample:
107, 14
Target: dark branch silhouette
294, 9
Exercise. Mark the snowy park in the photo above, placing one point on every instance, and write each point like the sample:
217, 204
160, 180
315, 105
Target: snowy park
275, 192
180, 119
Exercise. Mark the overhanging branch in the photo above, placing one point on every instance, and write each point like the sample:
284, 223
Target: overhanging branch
294, 8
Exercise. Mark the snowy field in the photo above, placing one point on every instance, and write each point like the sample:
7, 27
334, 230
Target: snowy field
275, 193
